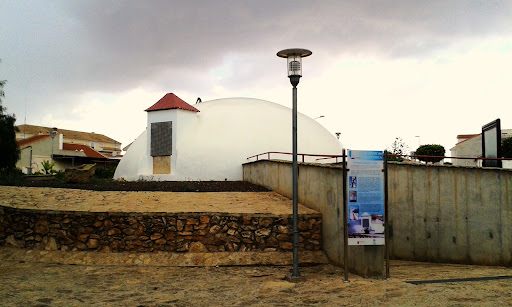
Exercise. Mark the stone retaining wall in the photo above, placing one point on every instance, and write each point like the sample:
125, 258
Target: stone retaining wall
141, 232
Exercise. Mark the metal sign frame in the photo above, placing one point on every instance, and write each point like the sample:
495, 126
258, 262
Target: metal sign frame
345, 218
345, 215
486, 129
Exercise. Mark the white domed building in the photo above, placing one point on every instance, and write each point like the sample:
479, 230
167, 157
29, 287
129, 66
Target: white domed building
212, 139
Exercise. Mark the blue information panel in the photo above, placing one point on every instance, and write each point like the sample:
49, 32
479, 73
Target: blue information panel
365, 197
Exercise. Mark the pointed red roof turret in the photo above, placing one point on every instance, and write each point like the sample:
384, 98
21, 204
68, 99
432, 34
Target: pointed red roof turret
171, 101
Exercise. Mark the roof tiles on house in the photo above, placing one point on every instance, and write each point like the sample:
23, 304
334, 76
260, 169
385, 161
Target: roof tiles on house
171, 101
33, 139
88, 151
68, 134
466, 137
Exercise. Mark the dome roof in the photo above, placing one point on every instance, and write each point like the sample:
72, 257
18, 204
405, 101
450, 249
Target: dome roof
215, 143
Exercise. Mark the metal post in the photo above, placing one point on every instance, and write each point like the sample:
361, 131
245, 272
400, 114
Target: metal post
295, 188
345, 217
29, 170
294, 69
53, 133
386, 224
295, 276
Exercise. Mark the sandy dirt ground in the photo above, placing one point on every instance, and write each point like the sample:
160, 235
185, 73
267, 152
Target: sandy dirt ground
173, 202
36, 283
44, 284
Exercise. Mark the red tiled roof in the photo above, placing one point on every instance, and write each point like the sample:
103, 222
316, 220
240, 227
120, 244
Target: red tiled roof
32, 139
88, 151
171, 101
467, 136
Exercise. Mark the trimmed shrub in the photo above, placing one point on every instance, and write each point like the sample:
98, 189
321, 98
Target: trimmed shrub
430, 150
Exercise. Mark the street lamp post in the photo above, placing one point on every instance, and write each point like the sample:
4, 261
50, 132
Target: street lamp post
53, 133
29, 168
294, 67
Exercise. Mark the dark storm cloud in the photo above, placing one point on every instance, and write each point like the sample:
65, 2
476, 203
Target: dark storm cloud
130, 41
110, 46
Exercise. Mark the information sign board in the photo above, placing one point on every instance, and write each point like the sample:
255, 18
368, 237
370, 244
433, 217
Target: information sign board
365, 188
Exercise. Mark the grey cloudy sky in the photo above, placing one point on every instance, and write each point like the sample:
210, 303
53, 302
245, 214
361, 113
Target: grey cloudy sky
379, 69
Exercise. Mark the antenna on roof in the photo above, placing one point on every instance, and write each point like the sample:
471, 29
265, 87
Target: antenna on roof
198, 100
25, 120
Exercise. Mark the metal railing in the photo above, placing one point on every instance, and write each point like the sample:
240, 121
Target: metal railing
419, 157
302, 155
440, 158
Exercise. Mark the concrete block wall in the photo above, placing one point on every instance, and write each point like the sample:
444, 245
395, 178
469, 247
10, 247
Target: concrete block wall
436, 213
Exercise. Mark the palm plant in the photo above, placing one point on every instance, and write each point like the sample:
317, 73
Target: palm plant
48, 167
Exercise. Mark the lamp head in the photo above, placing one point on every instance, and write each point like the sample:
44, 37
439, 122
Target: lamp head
294, 60
53, 133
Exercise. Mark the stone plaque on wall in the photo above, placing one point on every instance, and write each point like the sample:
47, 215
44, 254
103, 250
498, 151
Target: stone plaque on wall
162, 165
161, 139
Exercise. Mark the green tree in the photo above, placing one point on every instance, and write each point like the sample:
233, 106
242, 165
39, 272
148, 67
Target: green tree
430, 150
2, 94
506, 147
398, 148
10, 152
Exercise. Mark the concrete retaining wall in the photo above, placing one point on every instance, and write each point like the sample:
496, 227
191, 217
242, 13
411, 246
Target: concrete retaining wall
436, 213
451, 214
320, 188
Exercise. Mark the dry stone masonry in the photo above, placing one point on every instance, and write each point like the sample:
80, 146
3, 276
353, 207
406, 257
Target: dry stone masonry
143, 232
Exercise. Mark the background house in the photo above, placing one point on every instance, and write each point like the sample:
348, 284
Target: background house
470, 145
68, 148
99, 142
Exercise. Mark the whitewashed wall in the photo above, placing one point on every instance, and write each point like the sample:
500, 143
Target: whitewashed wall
214, 143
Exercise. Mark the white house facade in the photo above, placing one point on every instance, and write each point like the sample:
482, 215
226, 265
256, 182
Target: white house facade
470, 145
